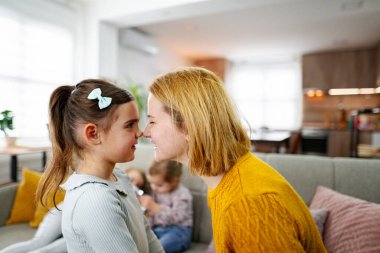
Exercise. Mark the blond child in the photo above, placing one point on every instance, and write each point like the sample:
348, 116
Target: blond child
138, 179
170, 206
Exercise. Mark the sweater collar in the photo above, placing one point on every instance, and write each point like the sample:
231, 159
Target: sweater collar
78, 180
229, 176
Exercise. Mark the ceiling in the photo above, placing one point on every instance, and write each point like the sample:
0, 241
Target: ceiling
258, 30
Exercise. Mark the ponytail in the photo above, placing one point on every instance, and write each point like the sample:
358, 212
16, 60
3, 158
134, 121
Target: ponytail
60, 166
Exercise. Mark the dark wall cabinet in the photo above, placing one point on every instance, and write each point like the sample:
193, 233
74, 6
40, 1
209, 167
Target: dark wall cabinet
344, 69
378, 66
339, 143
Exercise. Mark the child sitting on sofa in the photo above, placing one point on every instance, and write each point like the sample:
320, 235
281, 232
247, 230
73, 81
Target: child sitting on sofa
138, 179
170, 206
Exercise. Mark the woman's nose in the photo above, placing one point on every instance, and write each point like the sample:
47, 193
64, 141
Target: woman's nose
146, 132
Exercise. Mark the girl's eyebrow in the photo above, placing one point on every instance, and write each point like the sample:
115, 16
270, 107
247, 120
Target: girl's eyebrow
131, 121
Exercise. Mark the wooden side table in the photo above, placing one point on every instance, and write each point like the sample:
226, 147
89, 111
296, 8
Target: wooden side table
15, 151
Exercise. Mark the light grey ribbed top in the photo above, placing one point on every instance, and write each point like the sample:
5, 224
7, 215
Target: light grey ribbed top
103, 216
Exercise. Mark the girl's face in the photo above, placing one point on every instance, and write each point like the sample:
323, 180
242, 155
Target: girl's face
170, 143
119, 143
159, 185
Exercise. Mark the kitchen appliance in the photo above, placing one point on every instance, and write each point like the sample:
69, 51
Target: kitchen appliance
314, 141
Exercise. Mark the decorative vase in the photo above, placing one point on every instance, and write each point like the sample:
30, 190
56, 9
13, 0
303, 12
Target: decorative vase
11, 141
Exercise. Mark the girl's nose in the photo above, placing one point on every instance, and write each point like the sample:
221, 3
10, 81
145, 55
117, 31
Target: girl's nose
139, 133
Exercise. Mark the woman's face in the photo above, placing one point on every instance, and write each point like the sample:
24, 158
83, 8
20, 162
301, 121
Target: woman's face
170, 143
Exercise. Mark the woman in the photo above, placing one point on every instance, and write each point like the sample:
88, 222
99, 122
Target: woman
254, 209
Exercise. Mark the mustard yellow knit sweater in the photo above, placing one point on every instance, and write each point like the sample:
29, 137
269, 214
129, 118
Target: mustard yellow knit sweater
254, 209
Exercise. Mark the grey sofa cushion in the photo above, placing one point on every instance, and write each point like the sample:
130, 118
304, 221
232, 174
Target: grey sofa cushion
15, 233
7, 196
202, 231
303, 172
358, 178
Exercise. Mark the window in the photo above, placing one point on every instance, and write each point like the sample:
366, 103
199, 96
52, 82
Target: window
267, 95
35, 58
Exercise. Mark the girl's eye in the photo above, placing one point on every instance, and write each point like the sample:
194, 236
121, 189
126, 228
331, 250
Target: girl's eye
130, 125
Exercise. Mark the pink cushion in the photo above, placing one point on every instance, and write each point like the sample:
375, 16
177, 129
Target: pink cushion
353, 225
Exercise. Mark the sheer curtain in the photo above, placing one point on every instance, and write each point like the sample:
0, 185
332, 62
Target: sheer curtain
35, 58
267, 95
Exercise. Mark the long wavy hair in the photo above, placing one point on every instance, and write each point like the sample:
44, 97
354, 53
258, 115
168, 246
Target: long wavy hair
199, 104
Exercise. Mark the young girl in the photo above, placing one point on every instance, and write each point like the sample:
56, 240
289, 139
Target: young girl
254, 209
170, 209
98, 123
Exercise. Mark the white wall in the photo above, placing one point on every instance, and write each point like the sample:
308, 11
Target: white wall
97, 11
143, 68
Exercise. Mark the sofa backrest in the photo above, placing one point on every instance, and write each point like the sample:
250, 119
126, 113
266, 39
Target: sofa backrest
7, 196
352, 176
356, 177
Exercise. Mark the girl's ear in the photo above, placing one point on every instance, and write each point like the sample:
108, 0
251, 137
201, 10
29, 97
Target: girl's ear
91, 134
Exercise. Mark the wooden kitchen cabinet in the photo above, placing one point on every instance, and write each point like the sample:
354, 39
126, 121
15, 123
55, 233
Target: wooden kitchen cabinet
339, 143
346, 69
216, 65
378, 66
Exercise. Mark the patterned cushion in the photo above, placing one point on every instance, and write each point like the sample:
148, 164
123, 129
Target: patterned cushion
353, 225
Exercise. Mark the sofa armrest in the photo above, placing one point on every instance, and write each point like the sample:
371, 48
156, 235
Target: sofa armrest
7, 196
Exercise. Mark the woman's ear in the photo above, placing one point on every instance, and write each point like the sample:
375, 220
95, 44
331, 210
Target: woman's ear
91, 134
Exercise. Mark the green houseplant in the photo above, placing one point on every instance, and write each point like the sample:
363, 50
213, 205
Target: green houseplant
6, 124
139, 92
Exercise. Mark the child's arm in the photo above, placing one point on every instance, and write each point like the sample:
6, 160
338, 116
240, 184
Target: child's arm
149, 204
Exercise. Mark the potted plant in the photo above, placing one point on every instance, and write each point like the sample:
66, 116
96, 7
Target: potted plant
140, 92
6, 123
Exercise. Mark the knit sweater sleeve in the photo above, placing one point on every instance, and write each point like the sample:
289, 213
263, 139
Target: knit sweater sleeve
260, 224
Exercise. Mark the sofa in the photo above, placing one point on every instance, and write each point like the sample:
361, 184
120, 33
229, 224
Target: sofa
355, 177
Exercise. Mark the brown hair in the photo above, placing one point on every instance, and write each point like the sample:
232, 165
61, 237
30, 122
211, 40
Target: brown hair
170, 170
69, 107
199, 104
146, 186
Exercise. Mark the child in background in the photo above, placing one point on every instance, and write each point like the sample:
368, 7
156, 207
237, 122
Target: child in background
98, 122
138, 179
170, 207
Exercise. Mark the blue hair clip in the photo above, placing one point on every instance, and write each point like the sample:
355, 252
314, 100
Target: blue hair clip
104, 102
